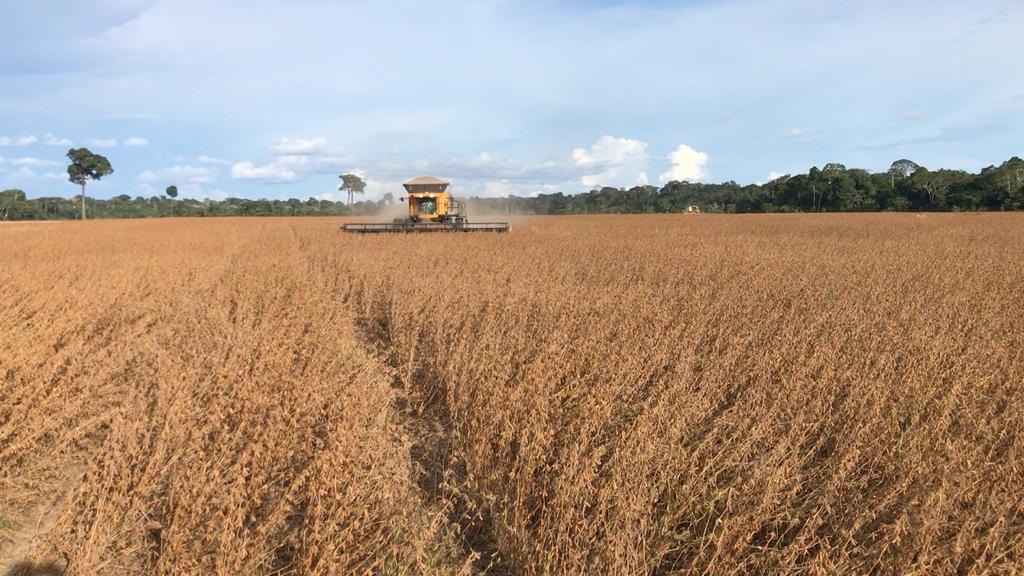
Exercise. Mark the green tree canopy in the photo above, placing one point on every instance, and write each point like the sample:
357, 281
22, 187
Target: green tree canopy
834, 188
86, 166
351, 183
904, 168
172, 191
15, 206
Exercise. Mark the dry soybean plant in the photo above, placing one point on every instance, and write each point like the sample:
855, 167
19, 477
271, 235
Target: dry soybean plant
620, 395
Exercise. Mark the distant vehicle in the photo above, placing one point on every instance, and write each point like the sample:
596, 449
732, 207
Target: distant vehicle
692, 210
432, 208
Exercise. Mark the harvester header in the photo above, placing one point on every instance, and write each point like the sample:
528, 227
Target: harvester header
432, 208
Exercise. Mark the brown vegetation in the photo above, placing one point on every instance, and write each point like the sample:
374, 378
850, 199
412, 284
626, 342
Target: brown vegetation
622, 395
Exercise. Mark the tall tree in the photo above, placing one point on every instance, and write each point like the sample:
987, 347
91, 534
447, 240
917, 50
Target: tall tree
86, 166
902, 168
351, 183
172, 191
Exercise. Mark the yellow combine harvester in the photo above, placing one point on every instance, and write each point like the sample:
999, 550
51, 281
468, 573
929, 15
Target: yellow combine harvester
432, 208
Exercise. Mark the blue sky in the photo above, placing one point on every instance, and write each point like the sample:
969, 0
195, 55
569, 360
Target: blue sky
264, 99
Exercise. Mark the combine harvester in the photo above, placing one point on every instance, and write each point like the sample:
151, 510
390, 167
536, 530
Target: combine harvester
431, 209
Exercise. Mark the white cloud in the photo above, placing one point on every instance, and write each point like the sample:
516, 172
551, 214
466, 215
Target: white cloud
610, 150
483, 167
52, 140
135, 142
687, 165
294, 159
212, 160
612, 160
102, 142
498, 189
299, 146
772, 176
503, 188
268, 173
18, 141
312, 163
28, 161
179, 175
795, 133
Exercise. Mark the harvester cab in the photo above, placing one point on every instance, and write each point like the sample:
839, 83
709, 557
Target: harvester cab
430, 201
432, 208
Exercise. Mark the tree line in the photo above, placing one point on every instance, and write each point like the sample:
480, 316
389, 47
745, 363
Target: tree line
15, 206
906, 186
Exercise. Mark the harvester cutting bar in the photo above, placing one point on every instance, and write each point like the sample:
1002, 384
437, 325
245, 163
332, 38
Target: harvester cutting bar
426, 227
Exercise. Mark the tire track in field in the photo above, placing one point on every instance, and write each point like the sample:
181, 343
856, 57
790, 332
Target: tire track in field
438, 471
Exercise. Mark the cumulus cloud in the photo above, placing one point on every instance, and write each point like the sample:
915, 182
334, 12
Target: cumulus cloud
18, 141
293, 159
612, 160
299, 146
687, 165
795, 133
268, 173
102, 142
179, 175
610, 150
52, 140
135, 142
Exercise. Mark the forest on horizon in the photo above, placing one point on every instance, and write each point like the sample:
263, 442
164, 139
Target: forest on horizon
906, 186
